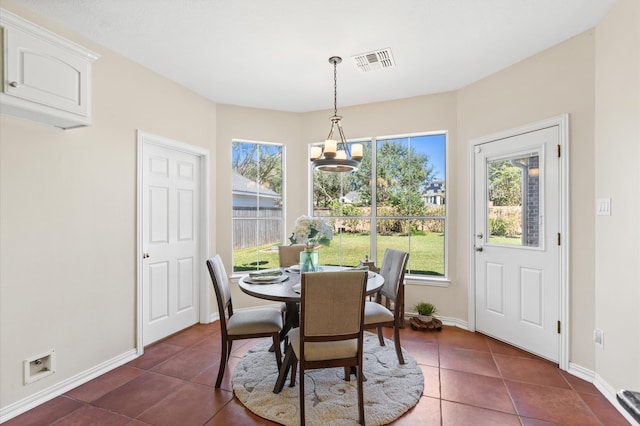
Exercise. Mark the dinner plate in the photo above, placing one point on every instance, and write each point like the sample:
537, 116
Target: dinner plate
266, 279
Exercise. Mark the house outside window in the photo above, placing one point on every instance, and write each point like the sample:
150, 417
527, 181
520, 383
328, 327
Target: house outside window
257, 203
396, 199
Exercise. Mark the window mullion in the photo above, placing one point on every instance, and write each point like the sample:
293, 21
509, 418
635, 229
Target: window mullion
373, 234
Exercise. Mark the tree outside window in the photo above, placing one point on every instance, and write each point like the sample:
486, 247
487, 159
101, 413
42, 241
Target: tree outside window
399, 193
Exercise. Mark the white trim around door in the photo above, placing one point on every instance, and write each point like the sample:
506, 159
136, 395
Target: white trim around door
148, 139
562, 122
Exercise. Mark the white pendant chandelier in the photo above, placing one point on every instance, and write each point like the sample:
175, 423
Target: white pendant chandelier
336, 155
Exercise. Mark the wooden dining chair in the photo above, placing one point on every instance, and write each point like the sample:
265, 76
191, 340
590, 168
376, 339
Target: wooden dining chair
263, 322
376, 314
330, 332
290, 255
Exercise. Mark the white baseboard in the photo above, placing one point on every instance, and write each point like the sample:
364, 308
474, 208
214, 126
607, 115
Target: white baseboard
603, 387
581, 372
610, 393
19, 407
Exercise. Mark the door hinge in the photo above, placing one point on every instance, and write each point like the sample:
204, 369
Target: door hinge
558, 150
558, 327
558, 238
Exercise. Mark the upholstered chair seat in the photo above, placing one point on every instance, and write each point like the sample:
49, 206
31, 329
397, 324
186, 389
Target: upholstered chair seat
254, 322
376, 312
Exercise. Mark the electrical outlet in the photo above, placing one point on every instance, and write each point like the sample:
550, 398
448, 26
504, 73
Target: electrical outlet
598, 337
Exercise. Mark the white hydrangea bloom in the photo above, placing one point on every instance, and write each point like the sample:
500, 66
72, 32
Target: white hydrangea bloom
311, 232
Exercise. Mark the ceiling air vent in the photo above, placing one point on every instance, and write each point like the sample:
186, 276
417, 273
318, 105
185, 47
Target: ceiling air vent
376, 60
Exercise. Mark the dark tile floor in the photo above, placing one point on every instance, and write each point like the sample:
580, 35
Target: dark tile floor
470, 379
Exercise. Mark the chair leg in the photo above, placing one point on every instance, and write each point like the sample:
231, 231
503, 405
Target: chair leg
284, 369
230, 344
360, 396
396, 340
301, 395
224, 355
276, 346
380, 336
294, 370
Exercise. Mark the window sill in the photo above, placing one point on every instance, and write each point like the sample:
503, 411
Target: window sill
427, 281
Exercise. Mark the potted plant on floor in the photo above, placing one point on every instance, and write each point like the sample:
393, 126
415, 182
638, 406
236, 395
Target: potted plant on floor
425, 311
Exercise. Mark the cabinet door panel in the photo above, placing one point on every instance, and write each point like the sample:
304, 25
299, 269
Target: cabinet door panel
41, 72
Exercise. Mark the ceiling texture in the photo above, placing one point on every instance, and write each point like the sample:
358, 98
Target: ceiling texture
274, 53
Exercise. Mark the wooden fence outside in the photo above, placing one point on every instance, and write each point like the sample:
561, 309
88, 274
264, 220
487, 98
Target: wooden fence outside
251, 229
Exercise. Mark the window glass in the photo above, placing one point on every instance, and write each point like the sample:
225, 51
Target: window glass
257, 204
399, 193
514, 201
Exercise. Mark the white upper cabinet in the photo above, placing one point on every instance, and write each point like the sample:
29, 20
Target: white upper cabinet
46, 78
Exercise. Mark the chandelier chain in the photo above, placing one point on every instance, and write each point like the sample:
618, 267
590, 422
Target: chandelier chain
335, 88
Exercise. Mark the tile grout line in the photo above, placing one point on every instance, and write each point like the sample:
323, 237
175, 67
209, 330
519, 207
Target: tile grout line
513, 402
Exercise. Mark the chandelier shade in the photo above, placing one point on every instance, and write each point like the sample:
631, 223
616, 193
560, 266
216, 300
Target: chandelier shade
336, 155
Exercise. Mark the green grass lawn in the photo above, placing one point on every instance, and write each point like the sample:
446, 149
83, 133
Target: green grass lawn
507, 241
427, 252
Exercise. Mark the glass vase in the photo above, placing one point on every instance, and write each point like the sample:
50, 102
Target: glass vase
309, 261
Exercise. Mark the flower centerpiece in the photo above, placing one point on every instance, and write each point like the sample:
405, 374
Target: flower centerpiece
312, 232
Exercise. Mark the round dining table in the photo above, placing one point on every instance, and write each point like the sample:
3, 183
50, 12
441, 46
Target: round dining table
283, 289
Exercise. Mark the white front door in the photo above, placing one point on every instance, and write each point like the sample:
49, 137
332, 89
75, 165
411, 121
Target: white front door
170, 240
516, 240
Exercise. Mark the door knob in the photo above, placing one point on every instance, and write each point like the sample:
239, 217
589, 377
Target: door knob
480, 235
145, 255
477, 248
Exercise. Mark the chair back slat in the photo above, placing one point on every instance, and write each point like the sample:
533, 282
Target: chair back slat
220, 283
290, 255
393, 268
332, 304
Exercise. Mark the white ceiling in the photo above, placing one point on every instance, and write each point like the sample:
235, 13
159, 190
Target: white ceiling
274, 53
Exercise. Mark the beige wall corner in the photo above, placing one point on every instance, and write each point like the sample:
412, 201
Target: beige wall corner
617, 142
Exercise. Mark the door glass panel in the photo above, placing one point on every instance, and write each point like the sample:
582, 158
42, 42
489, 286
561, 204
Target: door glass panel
513, 203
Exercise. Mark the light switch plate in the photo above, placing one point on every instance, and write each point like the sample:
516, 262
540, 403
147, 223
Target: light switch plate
603, 206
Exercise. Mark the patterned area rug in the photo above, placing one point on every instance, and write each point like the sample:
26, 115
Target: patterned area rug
390, 390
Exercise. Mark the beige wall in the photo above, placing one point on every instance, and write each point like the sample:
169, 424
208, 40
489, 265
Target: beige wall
68, 218
617, 148
68, 198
